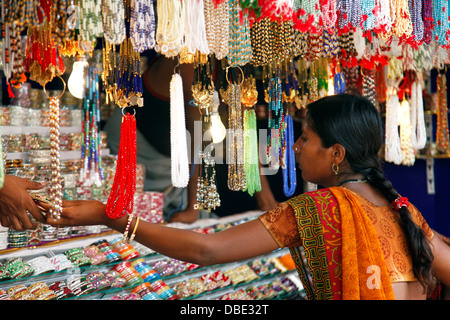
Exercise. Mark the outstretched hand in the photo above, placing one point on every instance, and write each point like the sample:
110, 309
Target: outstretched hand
16, 202
78, 213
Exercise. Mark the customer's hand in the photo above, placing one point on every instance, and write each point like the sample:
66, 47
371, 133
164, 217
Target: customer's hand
15, 202
78, 213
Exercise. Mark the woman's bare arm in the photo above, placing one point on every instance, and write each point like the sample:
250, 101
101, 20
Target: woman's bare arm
239, 242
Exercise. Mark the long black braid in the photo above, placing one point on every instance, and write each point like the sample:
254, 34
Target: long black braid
355, 123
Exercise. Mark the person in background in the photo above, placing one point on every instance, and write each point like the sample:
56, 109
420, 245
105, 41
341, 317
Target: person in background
15, 202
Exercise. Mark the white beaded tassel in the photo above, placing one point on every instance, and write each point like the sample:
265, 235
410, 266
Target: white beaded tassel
55, 187
393, 151
178, 141
418, 128
194, 27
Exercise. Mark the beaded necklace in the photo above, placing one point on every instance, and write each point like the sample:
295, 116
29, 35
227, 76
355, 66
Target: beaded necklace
239, 47
129, 78
368, 17
55, 191
393, 152
249, 98
261, 41
142, 25
402, 25
121, 198
441, 24
91, 25
408, 156
91, 173
217, 27
442, 131
275, 121
194, 27
235, 136
178, 141
415, 10
419, 135
427, 17
170, 26
288, 166
339, 80
113, 18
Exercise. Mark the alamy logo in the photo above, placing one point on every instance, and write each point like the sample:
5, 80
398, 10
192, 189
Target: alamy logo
374, 280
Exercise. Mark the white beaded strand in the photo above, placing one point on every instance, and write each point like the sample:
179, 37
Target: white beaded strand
178, 141
418, 129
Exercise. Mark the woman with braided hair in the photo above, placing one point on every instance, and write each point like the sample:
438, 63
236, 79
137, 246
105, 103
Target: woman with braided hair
355, 238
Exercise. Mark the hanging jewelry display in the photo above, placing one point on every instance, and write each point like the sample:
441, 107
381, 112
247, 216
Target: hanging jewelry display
55, 190
60, 27
2, 160
288, 163
276, 116
249, 97
129, 78
442, 132
113, 19
90, 19
239, 47
235, 134
91, 173
178, 141
207, 196
170, 27
217, 19
121, 198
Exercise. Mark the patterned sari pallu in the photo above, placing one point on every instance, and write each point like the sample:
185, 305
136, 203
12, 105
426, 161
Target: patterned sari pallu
340, 256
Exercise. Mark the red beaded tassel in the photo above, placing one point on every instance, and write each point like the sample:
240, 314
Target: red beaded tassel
121, 198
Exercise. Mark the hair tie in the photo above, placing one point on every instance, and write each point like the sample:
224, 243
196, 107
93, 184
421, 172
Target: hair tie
400, 202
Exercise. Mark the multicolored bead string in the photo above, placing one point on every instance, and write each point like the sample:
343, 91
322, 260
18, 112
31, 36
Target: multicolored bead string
91, 173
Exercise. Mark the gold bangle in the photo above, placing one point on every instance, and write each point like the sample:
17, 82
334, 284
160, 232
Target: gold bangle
134, 230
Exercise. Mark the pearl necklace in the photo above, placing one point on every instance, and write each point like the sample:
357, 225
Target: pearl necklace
55, 188
393, 152
194, 27
178, 141
169, 31
419, 135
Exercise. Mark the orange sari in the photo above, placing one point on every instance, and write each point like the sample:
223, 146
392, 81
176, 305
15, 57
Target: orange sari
340, 256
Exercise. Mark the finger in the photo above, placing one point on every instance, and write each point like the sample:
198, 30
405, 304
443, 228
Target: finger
25, 220
34, 185
4, 221
15, 223
36, 212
